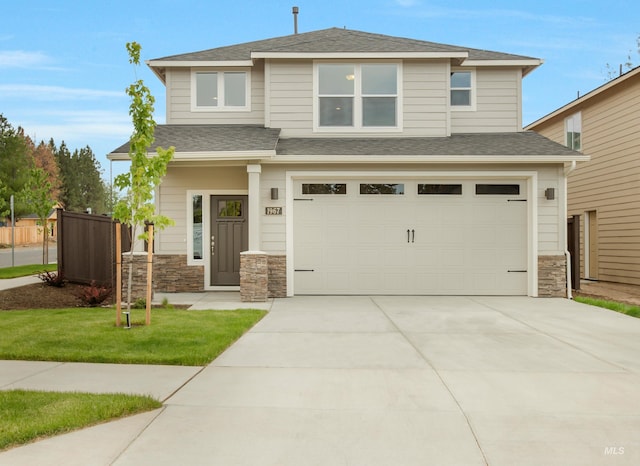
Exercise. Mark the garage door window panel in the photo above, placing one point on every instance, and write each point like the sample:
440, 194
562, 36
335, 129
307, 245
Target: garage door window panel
324, 188
382, 188
498, 189
439, 189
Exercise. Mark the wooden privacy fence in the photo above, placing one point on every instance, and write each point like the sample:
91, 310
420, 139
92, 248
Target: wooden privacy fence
23, 235
86, 248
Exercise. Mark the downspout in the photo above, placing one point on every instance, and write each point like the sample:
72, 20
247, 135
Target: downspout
567, 172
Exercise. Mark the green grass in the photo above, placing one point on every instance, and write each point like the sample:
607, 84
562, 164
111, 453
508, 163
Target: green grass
26, 270
29, 415
175, 337
628, 309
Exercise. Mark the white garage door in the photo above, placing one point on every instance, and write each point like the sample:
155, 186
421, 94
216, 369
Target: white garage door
410, 237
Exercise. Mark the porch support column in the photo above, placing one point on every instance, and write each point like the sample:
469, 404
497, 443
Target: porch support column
253, 172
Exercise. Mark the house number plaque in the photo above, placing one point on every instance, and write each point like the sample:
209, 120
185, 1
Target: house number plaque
273, 210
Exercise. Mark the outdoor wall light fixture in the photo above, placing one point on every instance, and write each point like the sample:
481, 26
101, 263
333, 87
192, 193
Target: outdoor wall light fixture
550, 194
274, 194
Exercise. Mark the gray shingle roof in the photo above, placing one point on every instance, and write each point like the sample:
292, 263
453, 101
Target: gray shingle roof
522, 143
334, 40
229, 138
208, 138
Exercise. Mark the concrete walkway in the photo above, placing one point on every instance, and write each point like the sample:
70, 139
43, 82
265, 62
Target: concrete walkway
383, 381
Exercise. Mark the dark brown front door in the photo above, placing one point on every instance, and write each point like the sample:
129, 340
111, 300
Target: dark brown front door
229, 237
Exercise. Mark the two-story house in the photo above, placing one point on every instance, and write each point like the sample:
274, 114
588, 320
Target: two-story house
604, 193
345, 162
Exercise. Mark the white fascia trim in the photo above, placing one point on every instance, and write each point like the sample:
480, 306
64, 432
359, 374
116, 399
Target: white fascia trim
360, 55
518, 63
532, 206
223, 155
394, 159
204, 156
198, 63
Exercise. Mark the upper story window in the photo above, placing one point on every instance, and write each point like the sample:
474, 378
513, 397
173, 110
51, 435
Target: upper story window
463, 90
573, 130
220, 90
357, 96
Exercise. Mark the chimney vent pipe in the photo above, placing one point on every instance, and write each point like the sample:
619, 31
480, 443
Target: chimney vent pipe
295, 19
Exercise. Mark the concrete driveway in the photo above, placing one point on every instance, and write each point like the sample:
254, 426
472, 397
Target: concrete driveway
397, 381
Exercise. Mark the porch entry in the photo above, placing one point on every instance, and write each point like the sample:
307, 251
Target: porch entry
229, 237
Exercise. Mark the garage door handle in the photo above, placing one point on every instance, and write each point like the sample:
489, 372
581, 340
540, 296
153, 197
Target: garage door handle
408, 237
413, 236
517, 271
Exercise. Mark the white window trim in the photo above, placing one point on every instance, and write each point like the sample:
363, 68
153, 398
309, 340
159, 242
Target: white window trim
212, 109
473, 89
357, 96
190, 259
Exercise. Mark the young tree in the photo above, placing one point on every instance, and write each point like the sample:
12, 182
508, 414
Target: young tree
37, 195
146, 171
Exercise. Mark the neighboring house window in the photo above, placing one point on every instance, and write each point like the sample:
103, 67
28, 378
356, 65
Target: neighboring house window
220, 90
573, 130
357, 96
462, 90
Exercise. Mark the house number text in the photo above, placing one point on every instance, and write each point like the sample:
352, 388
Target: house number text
273, 210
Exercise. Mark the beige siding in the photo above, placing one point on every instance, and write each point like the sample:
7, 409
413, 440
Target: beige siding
179, 101
497, 104
172, 199
290, 97
425, 99
610, 182
424, 92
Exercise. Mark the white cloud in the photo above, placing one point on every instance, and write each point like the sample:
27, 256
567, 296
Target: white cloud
22, 59
55, 93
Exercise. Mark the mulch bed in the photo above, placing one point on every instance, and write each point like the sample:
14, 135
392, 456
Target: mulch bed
41, 296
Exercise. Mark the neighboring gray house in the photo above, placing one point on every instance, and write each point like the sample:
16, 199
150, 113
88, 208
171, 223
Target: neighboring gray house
347, 162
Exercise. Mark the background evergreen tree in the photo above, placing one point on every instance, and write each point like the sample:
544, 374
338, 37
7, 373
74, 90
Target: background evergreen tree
15, 163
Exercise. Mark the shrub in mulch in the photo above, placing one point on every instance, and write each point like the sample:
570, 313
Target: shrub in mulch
52, 279
94, 295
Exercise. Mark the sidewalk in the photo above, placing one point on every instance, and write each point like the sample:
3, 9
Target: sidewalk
9, 283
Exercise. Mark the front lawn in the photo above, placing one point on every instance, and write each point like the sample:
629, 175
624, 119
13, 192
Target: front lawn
175, 337
26, 270
628, 309
29, 415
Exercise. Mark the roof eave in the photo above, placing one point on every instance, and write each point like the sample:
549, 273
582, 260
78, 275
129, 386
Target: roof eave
205, 156
398, 158
527, 65
363, 55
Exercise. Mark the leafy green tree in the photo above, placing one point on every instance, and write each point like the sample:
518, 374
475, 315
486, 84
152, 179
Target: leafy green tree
37, 196
15, 163
137, 207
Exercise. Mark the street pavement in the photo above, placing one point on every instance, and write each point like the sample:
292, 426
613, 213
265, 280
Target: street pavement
26, 255
375, 381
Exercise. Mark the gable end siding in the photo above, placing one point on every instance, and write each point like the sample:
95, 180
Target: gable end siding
497, 104
179, 101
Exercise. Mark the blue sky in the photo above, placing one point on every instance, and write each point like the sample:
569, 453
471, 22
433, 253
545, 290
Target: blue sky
64, 66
